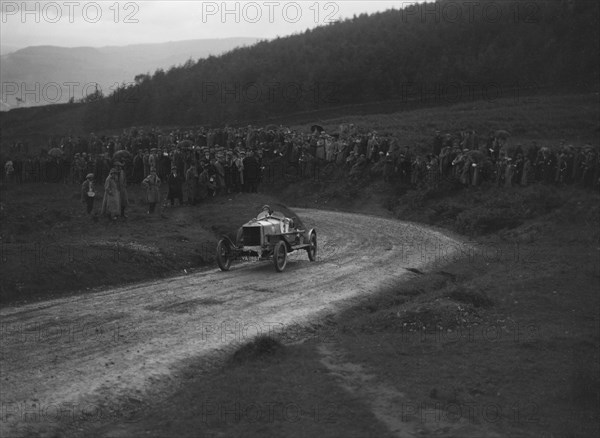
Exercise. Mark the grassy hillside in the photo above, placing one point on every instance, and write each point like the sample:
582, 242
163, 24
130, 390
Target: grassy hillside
573, 117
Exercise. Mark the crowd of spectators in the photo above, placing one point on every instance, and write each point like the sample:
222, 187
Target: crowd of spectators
202, 163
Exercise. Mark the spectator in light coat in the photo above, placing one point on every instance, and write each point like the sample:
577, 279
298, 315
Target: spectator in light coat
152, 185
111, 203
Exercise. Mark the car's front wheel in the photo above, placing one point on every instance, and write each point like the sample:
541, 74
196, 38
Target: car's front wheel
280, 256
312, 249
224, 255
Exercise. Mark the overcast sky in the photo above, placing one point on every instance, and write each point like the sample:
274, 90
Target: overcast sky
106, 23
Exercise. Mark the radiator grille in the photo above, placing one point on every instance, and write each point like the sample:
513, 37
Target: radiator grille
251, 236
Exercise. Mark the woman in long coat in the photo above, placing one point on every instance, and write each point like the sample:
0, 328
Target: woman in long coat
111, 203
122, 185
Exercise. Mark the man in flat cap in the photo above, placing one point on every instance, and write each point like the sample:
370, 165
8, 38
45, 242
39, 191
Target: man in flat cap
88, 192
175, 183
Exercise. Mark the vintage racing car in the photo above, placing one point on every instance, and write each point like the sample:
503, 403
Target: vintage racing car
270, 235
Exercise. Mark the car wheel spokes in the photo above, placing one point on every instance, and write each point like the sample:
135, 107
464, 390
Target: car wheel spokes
280, 256
224, 255
312, 249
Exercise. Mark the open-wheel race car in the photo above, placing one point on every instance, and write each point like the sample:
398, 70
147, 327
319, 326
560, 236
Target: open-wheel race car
271, 235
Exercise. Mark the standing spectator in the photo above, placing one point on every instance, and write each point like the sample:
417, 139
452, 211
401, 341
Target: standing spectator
561, 168
372, 148
418, 168
438, 142
122, 183
206, 183
18, 166
88, 192
191, 182
111, 147
549, 167
509, 172
342, 153
152, 185
590, 165
164, 164
404, 164
527, 174
79, 165
152, 160
220, 174
388, 167
445, 159
238, 173
138, 167
433, 171
518, 175
578, 165
175, 182
178, 161
230, 172
9, 171
251, 172
501, 169
111, 203
146, 162
358, 167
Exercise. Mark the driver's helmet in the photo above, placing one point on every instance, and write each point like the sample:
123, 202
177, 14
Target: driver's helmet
267, 209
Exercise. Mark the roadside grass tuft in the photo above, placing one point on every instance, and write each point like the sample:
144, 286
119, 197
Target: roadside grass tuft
261, 348
474, 298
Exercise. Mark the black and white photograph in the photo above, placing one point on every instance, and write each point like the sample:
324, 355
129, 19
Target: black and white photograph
273, 219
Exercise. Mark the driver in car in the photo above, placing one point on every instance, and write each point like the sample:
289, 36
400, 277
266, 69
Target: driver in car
286, 223
267, 209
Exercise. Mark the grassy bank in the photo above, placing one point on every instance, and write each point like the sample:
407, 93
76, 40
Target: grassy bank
546, 118
51, 247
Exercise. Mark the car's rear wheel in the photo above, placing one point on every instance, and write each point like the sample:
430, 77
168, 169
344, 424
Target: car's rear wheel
280, 256
224, 255
312, 249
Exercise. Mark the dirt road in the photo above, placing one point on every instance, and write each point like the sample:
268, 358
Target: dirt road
69, 357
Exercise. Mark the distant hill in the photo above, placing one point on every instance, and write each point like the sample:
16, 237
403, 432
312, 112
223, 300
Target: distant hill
42, 75
6, 49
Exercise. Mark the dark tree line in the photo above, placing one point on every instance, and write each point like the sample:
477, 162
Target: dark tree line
411, 53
